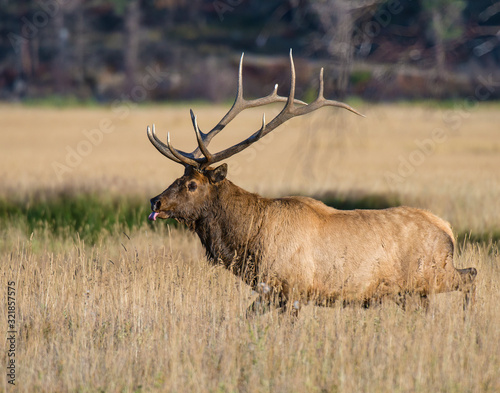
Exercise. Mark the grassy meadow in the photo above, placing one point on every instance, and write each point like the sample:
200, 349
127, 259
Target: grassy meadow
108, 302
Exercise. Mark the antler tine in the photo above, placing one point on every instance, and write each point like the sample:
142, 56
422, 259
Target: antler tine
320, 101
236, 108
239, 89
321, 84
291, 96
199, 137
263, 124
183, 158
160, 146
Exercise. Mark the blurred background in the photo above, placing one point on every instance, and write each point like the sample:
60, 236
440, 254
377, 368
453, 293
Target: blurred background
147, 50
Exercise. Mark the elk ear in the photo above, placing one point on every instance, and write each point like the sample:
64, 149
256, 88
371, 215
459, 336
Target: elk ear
218, 174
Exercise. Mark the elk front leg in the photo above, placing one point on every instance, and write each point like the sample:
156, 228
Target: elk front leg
267, 299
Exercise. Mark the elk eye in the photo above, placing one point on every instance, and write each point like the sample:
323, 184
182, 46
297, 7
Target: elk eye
192, 186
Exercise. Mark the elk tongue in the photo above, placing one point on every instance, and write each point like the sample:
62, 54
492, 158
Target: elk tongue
152, 216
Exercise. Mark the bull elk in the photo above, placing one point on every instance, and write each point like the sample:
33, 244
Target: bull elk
297, 248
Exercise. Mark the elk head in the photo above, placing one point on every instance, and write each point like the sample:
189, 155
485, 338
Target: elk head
187, 196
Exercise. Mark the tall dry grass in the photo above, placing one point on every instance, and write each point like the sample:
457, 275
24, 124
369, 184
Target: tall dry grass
144, 312
149, 314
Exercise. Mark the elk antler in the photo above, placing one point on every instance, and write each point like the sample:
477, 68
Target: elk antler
240, 104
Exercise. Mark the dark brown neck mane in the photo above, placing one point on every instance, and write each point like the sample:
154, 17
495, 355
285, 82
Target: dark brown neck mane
228, 227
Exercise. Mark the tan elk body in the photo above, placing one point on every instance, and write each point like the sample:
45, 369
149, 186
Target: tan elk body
298, 247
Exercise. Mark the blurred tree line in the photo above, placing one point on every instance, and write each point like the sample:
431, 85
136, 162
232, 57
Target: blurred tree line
139, 50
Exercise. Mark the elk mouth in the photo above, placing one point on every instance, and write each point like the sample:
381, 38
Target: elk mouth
157, 211
161, 214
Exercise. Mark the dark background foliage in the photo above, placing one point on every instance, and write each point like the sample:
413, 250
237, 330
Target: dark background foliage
142, 50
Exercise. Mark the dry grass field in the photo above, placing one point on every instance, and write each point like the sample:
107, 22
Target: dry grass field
141, 310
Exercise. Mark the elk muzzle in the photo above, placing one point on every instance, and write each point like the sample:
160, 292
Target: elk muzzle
155, 207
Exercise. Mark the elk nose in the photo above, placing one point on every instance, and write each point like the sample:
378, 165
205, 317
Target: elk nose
155, 204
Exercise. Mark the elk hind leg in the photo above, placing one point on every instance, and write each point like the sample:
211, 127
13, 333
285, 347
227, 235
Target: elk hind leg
467, 285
